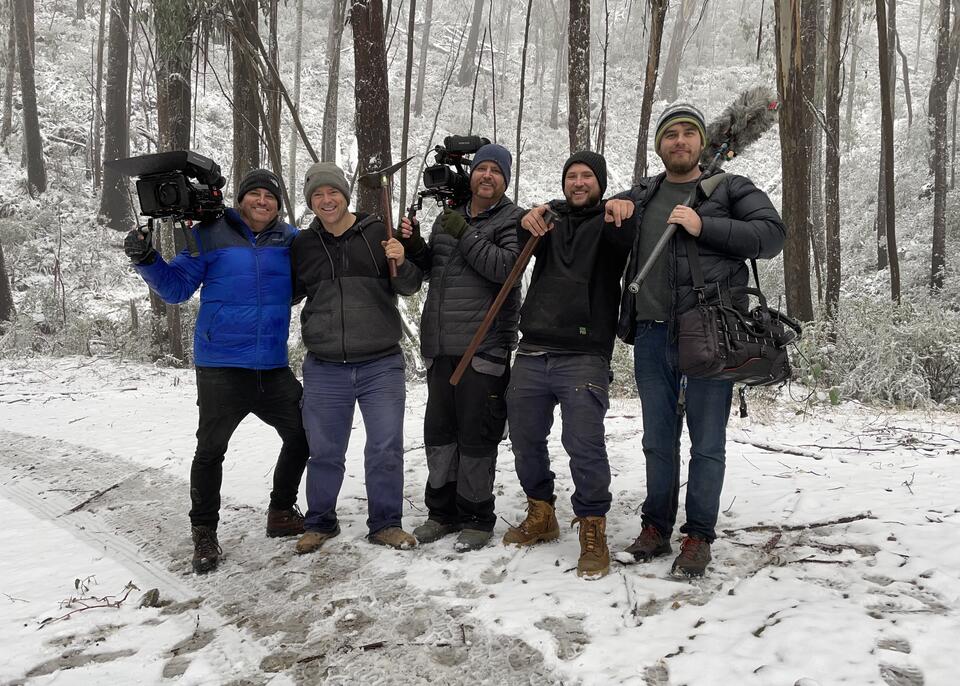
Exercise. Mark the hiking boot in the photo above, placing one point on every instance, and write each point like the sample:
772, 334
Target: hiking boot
594, 561
539, 526
649, 544
312, 540
206, 548
393, 537
287, 522
693, 558
472, 539
432, 530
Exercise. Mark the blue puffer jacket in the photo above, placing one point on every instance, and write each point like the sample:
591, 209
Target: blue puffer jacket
245, 292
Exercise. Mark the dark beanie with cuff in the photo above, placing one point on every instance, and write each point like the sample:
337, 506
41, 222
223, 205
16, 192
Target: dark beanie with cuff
596, 162
261, 178
499, 155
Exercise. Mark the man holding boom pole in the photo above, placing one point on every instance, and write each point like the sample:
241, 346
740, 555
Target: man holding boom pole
735, 223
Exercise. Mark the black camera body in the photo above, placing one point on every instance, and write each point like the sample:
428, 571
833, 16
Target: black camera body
166, 187
448, 178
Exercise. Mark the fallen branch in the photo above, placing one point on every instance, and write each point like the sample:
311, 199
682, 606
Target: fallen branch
802, 527
104, 602
774, 448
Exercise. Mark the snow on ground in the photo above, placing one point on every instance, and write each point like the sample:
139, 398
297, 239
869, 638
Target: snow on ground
838, 562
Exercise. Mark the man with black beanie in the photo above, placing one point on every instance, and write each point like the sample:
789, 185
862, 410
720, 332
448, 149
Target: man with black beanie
567, 325
242, 267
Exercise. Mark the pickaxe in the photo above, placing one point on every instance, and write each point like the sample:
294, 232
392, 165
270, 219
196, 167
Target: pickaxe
382, 180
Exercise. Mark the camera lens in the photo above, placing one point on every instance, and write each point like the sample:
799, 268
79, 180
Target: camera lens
168, 194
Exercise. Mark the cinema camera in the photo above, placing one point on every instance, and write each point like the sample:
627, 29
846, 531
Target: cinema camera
447, 180
166, 187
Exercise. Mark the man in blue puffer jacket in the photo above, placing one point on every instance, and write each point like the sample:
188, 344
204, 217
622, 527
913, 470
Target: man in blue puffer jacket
242, 268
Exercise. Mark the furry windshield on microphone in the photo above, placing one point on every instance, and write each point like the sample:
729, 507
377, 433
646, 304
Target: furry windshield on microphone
742, 123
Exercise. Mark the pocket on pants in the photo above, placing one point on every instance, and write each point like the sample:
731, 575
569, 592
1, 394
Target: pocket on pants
495, 419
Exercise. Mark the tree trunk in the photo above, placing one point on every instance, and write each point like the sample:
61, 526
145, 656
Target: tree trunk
559, 72
523, 74
906, 81
470, 52
948, 47
246, 126
886, 160
407, 83
493, 70
602, 121
6, 125
328, 143
272, 91
7, 309
96, 164
678, 39
851, 85
33, 143
817, 238
795, 45
658, 10
831, 182
115, 204
578, 75
424, 47
294, 182
372, 96
81, 10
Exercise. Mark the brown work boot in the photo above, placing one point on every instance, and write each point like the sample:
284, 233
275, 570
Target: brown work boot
539, 526
693, 558
287, 522
312, 540
393, 537
649, 544
594, 561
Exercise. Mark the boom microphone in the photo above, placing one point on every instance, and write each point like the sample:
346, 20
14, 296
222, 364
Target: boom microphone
743, 121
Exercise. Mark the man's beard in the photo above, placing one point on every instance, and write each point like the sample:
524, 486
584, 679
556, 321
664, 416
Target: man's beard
681, 168
593, 197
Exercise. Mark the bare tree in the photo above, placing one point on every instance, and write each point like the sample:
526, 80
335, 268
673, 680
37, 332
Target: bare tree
886, 152
10, 68
602, 119
658, 11
297, 63
7, 309
678, 41
424, 46
96, 121
407, 83
523, 75
948, 51
560, 71
33, 144
371, 94
470, 52
328, 142
831, 181
851, 84
115, 201
578, 75
246, 125
795, 39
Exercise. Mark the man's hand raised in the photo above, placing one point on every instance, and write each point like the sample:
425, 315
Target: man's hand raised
618, 211
536, 221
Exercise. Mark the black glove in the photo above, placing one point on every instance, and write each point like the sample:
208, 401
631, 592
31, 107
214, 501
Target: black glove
415, 244
138, 245
453, 223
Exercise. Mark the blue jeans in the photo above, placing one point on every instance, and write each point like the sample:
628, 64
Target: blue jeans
707, 411
331, 391
579, 383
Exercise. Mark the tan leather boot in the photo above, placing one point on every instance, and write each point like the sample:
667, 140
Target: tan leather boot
594, 561
539, 526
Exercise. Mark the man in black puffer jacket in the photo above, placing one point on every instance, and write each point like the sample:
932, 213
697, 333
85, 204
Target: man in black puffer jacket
736, 222
568, 324
471, 251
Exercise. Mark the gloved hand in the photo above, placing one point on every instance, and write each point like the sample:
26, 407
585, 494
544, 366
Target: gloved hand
409, 236
453, 223
138, 245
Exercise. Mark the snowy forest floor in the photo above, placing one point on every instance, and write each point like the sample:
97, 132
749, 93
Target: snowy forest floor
838, 560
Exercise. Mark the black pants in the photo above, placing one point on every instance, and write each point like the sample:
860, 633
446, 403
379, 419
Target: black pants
225, 395
462, 428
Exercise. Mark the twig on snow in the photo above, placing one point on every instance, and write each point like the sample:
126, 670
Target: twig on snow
909, 483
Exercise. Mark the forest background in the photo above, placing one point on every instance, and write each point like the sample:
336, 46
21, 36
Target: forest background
862, 163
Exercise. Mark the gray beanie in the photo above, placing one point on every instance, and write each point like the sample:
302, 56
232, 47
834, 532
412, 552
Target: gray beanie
325, 174
679, 112
499, 155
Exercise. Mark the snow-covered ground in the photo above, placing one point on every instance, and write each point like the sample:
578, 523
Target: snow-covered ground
839, 560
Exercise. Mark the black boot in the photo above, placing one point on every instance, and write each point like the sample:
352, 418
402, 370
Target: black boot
206, 549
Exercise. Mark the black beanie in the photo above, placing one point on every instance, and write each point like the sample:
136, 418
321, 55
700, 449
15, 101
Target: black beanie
261, 178
596, 162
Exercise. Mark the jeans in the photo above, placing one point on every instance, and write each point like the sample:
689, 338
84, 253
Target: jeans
225, 395
331, 391
707, 410
462, 428
579, 383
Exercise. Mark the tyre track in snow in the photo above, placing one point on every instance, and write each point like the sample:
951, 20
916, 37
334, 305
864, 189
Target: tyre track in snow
341, 615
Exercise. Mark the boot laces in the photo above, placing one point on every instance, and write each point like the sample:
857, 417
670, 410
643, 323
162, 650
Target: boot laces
589, 532
690, 547
207, 544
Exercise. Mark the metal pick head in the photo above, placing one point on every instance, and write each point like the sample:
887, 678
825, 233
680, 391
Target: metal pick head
378, 179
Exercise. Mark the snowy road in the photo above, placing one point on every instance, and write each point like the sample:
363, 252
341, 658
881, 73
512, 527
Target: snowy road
838, 563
